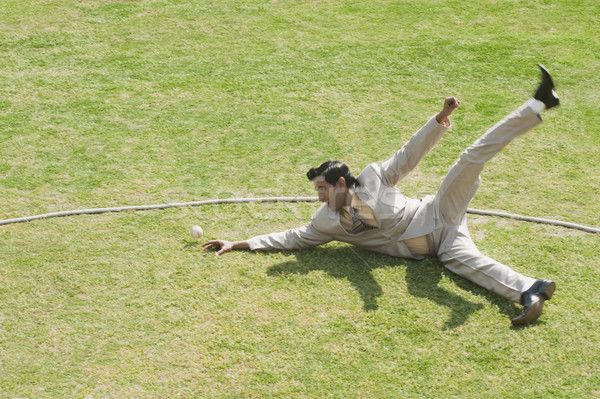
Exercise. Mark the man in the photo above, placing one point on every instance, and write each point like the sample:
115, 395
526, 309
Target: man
370, 212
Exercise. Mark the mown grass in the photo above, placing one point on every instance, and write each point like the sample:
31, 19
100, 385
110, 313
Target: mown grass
107, 103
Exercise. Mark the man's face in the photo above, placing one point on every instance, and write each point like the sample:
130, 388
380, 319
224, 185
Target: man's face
333, 195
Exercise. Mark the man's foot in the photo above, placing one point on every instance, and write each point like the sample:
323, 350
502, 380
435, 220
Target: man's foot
533, 301
545, 92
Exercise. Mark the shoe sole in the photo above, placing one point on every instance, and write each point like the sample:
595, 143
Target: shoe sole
554, 101
548, 290
533, 313
546, 75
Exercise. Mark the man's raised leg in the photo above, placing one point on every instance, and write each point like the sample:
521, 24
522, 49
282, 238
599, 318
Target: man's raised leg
461, 182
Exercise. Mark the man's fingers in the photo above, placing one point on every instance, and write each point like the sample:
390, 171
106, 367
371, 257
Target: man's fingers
211, 244
223, 246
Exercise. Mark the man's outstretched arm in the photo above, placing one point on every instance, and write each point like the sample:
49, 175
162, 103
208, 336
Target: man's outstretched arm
293, 239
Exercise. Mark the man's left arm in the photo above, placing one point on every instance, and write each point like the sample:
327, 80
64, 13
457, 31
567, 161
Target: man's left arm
411, 153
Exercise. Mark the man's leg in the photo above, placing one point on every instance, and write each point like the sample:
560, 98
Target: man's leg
461, 182
458, 253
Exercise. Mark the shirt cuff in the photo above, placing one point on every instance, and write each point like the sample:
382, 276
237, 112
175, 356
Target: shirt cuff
447, 123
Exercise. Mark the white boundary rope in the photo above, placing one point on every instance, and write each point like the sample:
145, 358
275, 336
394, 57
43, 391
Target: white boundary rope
151, 207
273, 199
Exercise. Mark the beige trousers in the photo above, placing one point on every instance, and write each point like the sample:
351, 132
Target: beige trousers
452, 243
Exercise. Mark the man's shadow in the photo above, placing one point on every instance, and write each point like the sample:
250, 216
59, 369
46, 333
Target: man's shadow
422, 279
342, 263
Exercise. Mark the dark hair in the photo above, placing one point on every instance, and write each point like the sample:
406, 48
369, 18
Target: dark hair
332, 171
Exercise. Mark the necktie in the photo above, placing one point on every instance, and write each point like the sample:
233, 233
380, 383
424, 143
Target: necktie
357, 224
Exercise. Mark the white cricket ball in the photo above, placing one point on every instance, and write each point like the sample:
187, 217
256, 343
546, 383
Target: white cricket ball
196, 232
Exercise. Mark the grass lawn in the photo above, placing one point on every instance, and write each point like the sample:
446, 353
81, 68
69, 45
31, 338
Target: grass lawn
113, 103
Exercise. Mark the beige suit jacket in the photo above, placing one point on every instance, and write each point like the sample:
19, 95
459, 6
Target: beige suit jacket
399, 217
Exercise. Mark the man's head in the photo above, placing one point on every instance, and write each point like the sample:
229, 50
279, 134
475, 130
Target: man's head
333, 182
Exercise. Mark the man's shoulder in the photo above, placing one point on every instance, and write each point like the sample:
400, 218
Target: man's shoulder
370, 184
370, 172
325, 220
323, 212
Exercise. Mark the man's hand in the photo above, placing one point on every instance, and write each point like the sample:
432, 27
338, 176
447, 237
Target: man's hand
450, 104
225, 246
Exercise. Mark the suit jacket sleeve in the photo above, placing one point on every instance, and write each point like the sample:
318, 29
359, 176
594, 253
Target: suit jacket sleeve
408, 157
300, 238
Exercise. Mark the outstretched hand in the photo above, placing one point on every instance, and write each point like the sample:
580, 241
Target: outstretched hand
225, 246
450, 104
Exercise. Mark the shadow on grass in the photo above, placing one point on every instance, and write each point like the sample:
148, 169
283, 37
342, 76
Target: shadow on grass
422, 279
338, 263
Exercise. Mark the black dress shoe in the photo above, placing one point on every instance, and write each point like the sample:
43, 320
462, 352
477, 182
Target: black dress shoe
545, 92
533, 301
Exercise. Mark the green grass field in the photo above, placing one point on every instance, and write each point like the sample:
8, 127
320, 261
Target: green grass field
114, 103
